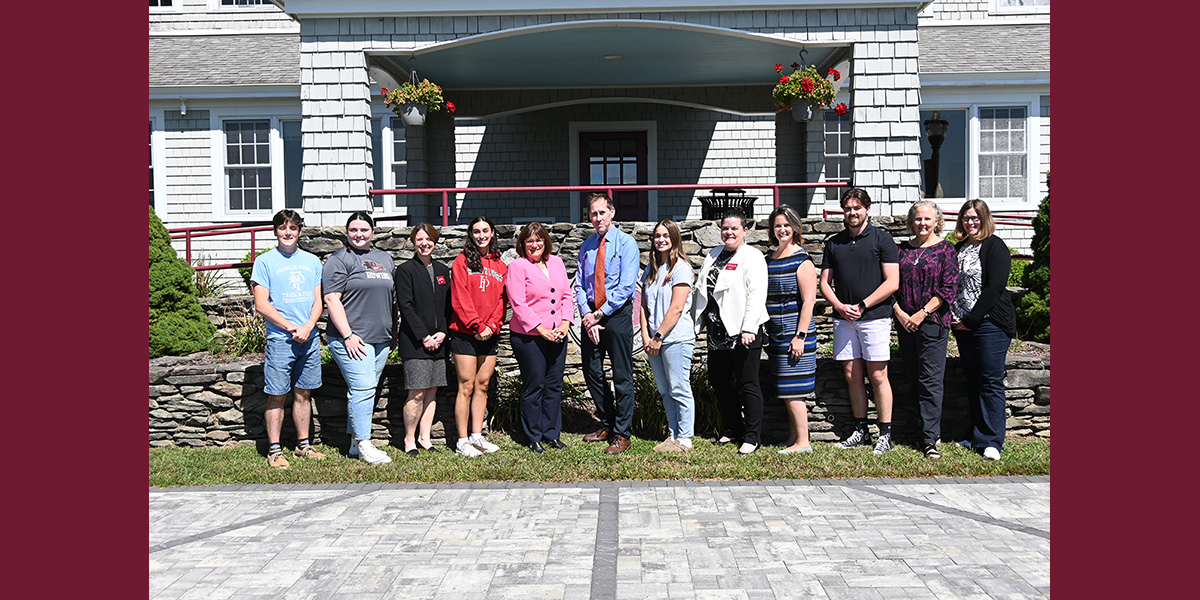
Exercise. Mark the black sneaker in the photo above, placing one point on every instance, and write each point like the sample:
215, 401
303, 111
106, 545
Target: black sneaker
858, 438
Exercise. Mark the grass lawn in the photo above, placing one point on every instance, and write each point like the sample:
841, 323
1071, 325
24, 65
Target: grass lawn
587, 462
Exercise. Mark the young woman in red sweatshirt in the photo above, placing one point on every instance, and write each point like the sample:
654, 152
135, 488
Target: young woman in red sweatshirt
477, 297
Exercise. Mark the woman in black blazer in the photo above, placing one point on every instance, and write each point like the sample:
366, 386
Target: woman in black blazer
423, 297
983, 322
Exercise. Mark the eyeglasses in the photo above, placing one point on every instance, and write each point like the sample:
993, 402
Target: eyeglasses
970, 219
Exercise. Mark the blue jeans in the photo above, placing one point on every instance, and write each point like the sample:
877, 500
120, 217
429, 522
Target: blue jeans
982, 352
291, 364
672, 375
362, 377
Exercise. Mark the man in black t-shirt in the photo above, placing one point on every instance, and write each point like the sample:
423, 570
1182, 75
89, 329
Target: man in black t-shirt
862, 264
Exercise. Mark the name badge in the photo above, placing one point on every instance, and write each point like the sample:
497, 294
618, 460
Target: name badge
441, 279
731, 267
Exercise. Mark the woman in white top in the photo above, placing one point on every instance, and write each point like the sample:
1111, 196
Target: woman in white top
667, 333
731, 301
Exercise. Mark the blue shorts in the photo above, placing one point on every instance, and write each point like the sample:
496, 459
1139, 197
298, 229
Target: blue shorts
290, 364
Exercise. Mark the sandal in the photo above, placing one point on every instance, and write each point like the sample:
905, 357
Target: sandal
931, 452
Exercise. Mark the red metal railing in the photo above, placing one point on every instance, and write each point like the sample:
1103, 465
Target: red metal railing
188, 233
445, 192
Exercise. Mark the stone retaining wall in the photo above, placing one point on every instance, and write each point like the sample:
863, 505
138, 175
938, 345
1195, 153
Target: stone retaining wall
198, 404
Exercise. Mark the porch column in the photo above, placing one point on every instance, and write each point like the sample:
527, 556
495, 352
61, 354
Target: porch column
335, 103
886, 134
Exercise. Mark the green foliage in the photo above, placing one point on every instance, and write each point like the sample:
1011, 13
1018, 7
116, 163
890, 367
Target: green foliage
178, 325
649, 416
708, 415
1016, 275
209, 283
246, 272
247, 336
1033, 311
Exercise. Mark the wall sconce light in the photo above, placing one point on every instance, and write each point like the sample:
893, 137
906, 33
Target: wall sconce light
182, 106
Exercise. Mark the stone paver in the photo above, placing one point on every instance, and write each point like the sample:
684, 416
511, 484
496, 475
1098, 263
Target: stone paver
837, 539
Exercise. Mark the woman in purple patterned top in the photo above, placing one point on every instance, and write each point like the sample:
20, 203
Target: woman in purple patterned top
928, 284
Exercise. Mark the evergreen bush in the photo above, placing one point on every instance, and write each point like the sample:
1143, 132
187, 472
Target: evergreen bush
178, 325
1033, 311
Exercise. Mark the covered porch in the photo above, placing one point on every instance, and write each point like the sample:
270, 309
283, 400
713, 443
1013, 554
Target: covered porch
568, 95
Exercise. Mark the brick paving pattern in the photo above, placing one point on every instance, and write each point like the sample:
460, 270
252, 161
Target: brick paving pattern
838, 539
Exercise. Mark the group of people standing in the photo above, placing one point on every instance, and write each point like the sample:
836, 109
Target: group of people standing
747, 304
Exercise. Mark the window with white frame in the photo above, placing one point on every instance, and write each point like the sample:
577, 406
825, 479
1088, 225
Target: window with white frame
160, 3
839, 165
1020, 6
248, 164
1002, 153
242, 2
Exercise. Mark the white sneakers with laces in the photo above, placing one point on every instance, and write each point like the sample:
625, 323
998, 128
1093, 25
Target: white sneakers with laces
372, 455
466, 448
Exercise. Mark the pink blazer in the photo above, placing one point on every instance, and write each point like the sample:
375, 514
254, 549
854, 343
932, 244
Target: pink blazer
537, 299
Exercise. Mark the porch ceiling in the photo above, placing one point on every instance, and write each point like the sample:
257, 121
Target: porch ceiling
573, 55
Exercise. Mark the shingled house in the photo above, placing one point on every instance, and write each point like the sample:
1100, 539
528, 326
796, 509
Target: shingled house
256, 106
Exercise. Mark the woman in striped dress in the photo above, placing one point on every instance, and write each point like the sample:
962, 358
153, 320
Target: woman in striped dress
792, 332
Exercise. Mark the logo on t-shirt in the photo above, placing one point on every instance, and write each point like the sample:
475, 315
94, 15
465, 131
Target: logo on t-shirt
296, 278
441, 279
731, 267
371, 265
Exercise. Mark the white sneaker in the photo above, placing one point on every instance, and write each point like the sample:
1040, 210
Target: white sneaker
991, 453
368, 452
481, 442
466, 448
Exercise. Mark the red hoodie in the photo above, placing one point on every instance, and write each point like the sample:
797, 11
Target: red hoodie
478, 297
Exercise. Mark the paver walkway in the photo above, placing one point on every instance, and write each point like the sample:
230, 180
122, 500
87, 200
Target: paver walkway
874, 538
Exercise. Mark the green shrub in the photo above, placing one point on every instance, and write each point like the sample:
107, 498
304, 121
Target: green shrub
246, 272
708, 415
1033, 311
178, 325
1016, 275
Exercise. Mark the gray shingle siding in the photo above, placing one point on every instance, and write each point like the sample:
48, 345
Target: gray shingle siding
225, 60
984, 48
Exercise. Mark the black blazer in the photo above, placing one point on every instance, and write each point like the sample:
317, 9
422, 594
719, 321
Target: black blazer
424, 309
995, 303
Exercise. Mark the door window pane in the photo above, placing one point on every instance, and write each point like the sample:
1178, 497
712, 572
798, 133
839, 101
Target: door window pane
1004, 156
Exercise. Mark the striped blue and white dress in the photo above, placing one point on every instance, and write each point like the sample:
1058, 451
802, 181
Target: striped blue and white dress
793, 378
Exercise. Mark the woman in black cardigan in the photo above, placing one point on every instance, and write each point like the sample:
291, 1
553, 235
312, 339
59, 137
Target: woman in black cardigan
423, 297
984, 323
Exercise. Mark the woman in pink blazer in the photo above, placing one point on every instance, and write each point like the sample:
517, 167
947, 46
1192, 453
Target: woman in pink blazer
540, 295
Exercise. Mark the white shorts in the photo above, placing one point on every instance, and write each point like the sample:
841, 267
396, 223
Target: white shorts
869, 340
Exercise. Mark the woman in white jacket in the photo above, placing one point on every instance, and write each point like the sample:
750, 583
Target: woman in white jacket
731, 302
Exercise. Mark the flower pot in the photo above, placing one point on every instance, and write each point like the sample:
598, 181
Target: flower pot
802, 111
413, 114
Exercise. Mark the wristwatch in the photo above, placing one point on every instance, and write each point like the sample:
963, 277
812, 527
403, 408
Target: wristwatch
658, 336
927, 313
863, 304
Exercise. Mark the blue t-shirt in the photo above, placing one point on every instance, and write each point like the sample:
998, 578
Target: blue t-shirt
658, 300
292, 280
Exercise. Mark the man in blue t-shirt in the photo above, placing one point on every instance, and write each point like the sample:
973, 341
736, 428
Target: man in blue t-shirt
286, 282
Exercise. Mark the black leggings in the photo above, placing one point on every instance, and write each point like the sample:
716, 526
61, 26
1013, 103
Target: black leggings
733, 375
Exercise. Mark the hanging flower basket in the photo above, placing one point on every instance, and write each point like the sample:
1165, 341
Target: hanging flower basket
414, 99
805, 90
412, 114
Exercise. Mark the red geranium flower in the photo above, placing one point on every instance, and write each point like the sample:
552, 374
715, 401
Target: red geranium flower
384, 91
806, 84
778, 67
836, 73
795, 65
784, 79
840, 109
450, 107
